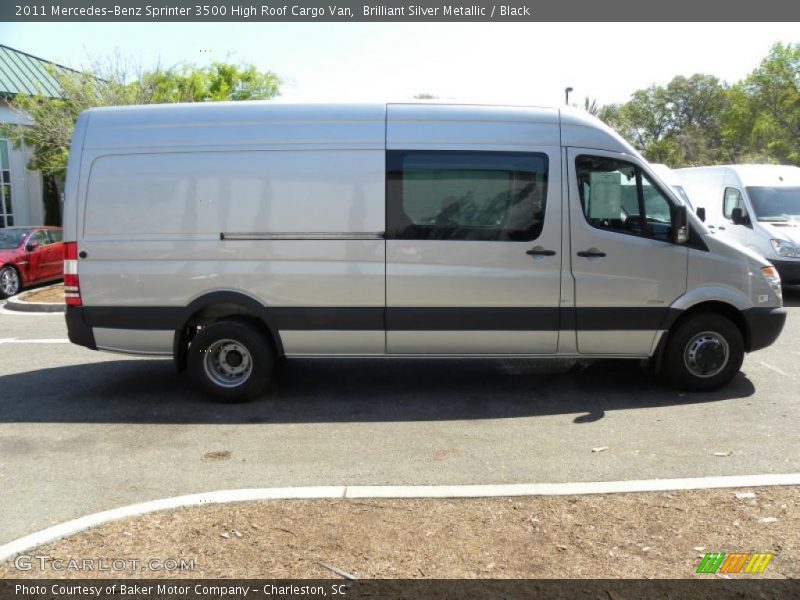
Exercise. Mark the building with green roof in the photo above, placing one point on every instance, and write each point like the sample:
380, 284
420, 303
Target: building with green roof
21, 190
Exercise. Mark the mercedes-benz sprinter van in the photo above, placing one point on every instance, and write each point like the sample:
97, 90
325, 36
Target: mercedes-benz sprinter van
757, 206
230, 235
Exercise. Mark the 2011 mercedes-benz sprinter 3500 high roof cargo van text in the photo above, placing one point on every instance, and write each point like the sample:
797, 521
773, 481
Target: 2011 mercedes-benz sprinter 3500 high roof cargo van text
757, 206
229, 235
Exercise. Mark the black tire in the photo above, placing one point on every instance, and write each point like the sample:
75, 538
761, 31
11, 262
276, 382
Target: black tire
231, 360
704, 352
6, 273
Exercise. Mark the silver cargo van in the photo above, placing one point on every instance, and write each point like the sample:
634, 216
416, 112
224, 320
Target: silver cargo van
757, 206
230, 235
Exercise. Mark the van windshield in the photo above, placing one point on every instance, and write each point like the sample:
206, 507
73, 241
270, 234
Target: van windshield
775, 203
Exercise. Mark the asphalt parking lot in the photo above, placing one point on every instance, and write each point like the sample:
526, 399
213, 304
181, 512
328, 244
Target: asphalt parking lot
82, 431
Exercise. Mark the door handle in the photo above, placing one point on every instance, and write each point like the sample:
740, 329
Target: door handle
539, 251
591, 253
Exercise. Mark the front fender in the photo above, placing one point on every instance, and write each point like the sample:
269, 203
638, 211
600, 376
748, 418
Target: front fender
712, 293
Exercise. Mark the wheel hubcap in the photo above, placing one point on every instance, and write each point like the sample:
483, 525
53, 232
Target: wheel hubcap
706, 354
9, 282
228, 363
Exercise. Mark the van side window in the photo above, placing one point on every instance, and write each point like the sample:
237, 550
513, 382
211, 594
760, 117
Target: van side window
732, 199
618, 196
479, 196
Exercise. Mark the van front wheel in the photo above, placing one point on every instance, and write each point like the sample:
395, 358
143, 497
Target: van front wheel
231, 361
704, 353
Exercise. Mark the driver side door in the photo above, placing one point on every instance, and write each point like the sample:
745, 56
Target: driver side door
626, 270
741, 233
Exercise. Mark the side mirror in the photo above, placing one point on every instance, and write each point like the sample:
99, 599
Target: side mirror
31, 246
738, 217
701, 213
680, 226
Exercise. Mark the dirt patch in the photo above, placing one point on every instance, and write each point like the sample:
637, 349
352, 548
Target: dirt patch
49, 294
217, 455
644, 535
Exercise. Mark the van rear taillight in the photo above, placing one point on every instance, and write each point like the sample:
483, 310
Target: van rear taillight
72, 286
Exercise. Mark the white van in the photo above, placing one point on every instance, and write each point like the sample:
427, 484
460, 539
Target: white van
671, 178
229, 235
757, 206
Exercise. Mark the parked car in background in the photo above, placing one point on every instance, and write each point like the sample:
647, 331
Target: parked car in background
29, 255
757, 206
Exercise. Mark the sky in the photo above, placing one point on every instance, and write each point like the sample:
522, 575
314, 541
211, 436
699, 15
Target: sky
514, 63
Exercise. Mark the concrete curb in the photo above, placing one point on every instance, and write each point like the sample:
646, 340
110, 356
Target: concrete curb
51, 534
18, 303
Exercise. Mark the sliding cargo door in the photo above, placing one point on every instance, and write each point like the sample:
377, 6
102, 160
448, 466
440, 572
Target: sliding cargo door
473, 251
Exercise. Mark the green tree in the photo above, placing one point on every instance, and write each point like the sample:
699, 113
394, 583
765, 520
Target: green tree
114, 83
701, 120
647, 116
696, 106
742, 138
220, 81
591, 106
766, 107
678, 124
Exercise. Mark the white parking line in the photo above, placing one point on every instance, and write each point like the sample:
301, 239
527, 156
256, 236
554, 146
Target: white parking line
401, 491
771, 368
18, 313
34, 341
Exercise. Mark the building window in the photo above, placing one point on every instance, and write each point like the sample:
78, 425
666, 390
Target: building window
6, 208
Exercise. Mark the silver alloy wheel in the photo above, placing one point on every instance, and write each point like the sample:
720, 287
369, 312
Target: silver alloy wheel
706, 354
228, 363
9, 281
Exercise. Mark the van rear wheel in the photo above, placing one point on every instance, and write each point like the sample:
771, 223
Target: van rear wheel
704, 353
231, 361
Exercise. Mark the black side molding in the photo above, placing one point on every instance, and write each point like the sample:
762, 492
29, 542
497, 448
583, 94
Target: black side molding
396, 318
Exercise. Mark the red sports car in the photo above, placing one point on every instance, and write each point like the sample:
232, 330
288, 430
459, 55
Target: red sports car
29, 255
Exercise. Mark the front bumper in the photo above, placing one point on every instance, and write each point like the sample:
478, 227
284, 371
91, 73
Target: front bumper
78, 331
789, 270
764, 325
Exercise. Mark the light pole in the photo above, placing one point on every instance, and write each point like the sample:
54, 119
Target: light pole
567, 90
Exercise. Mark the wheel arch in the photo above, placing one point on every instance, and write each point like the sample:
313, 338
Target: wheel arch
219, 305
720, 307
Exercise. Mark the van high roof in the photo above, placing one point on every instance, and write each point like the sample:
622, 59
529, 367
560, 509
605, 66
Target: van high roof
264, 124
750, 175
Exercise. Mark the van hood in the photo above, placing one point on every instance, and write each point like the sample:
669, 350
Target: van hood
787, 230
